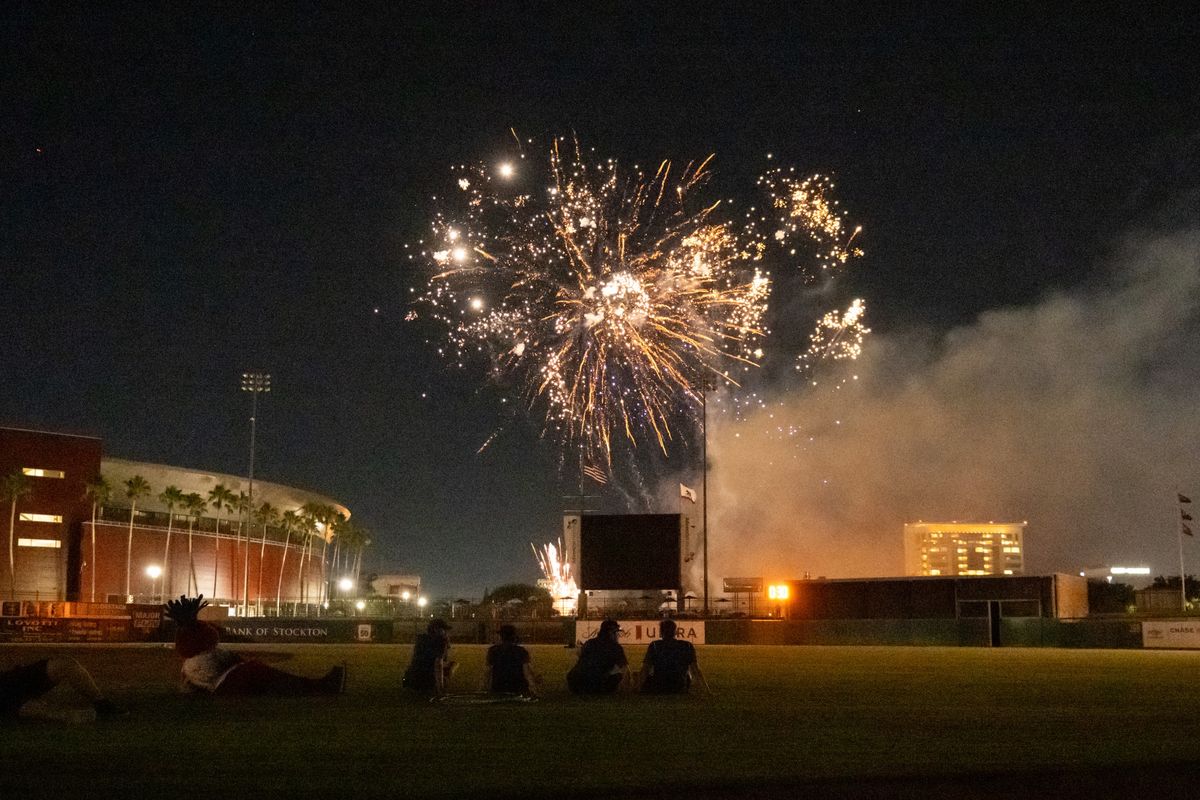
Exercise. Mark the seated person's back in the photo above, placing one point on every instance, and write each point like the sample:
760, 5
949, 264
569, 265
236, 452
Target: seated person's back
602, 663
507, 664
668, 663
430, 665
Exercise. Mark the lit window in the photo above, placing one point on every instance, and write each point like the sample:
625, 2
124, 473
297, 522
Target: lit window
51, 543
935, 572
26, 517
38, 472
1008, 572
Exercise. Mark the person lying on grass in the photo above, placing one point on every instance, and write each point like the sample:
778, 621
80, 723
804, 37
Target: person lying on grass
507, 669
209, 667
670, 664
22, 688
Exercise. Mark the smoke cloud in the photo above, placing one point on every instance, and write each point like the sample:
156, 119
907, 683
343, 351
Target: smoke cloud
1079, 414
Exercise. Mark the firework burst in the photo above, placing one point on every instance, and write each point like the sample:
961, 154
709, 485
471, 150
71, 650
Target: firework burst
558, 579
611, 298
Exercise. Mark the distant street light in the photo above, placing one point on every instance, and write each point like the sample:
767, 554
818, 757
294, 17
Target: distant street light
422, 601
153, 572
346, 584
255, 383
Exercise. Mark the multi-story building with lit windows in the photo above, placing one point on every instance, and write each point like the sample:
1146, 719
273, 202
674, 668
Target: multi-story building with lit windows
964, 548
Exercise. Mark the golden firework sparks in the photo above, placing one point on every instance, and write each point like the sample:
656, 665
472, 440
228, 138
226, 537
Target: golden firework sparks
558, 578
611, 297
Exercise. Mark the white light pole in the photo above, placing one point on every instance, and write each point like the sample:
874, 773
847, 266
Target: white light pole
255, 383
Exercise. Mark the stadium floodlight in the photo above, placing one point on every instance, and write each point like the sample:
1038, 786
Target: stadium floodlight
255, 383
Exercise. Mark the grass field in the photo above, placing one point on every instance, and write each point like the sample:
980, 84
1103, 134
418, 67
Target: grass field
861, 721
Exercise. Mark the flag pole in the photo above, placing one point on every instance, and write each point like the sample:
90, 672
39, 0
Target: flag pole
1181, 521
704, 487
1182, 574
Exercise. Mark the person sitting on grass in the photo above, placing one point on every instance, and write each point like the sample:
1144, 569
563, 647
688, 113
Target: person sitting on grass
431, 667
22, 688
670, 663
507, 669
211, 668
602, 667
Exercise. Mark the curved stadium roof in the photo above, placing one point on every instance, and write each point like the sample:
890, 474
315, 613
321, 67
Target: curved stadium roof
160, 476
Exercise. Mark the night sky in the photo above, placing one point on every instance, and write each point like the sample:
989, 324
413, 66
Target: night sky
187, 195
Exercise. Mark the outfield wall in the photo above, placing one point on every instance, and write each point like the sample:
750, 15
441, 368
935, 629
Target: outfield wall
144, 623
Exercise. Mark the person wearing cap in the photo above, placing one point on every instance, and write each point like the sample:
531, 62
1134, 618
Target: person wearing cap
670, 663
507, 669
602, 667
431, 666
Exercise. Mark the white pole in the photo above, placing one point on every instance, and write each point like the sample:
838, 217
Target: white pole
1179, 533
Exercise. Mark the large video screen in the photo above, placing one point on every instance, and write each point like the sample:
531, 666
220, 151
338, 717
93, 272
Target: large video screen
629, 551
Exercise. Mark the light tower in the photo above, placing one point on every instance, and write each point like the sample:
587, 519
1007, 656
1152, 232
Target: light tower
255, 383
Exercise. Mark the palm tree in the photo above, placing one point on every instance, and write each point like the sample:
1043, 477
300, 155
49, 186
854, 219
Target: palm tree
338, 555
221, 499
310, 515
98, 491
355, 539
364, 542
267, 515
135, 487
194, 505
330, 518
15, 486
291, 523
171, 496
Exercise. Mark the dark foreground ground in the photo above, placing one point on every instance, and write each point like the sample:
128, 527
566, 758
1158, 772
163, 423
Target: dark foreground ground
782, 722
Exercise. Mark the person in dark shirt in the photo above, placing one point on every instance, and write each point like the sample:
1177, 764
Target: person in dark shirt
507, 670
431, 666
670, 663
602, 667
22, 688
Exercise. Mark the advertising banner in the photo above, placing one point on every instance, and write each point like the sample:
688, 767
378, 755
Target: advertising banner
1176, 634
297, 631
41, 630
145, 621
642, 631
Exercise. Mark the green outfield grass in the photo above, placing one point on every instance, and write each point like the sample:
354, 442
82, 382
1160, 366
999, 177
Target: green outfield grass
778, 716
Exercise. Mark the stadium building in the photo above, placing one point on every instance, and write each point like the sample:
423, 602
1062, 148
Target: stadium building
60, 554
